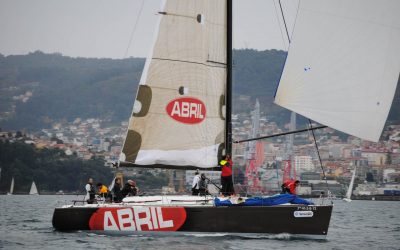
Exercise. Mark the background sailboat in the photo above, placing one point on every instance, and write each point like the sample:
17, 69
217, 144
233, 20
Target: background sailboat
350, 189
33, 190
11, 187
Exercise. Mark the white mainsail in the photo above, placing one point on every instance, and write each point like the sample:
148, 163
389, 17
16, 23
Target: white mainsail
33, 189
178, 115
343, 64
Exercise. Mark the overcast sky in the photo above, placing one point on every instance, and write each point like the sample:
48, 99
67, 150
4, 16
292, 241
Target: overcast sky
102, 28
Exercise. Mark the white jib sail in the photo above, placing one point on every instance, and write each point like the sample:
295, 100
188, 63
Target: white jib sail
343, 64
178, 115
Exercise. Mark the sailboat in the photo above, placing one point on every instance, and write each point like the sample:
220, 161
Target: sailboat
181, 116
11, 187
33, 190
350, 189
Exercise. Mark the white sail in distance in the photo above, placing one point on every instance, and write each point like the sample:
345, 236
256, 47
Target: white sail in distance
343, 64
12, 186
33, 189
350, 189
178, 114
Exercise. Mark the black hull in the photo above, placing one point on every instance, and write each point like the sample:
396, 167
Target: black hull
239, 219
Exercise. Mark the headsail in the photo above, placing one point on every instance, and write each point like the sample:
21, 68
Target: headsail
343, 64
178, 115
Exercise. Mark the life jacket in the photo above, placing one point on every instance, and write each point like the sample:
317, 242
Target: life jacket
226, 168
290, 184
103, 189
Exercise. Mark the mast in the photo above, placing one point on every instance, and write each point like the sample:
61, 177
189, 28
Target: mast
228, 112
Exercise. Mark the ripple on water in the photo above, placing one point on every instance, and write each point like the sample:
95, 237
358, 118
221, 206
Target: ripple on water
81, 241
31, 220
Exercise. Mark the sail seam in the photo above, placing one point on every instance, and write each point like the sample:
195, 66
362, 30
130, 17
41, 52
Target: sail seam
191, 62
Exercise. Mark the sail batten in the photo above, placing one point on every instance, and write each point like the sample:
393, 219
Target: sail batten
178, 115
343, 64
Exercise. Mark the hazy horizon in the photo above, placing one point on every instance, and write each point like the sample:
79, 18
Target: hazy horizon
138, 57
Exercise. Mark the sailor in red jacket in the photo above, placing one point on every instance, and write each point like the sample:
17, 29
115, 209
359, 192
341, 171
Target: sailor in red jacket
289, 186
226, 176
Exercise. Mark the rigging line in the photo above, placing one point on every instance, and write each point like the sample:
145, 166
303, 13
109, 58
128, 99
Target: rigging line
284, 21
279, 24
280, 134
287, 33
134, 28
319, 156
295, 19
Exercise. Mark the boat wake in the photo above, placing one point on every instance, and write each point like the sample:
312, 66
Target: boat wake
232, 236
282, 236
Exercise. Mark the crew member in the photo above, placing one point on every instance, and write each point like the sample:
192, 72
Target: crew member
203, 185
90, 193
226, 176
129, 189
290, 186
195, 183
102, 190
116, 190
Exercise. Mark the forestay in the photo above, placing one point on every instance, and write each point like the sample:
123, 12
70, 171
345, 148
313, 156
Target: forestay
178, 115
343, 64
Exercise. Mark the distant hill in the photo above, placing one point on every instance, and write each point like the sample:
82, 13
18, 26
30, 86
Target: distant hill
64, 88
38, 89
51, 169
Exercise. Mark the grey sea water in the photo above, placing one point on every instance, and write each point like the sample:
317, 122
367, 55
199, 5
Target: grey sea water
26, 224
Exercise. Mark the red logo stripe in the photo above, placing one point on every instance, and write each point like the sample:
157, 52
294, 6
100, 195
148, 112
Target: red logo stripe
187, 110
138, 219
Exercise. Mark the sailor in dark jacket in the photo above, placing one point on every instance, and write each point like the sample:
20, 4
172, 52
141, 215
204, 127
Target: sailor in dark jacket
203, 185
129, 189
116, 190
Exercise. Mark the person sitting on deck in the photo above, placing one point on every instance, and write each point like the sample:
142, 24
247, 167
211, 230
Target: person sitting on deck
90, 193
129, 189
290, 186
226, 176
102, 190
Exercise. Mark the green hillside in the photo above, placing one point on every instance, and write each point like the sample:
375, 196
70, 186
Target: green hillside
38, 89
64, 88
51, 169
